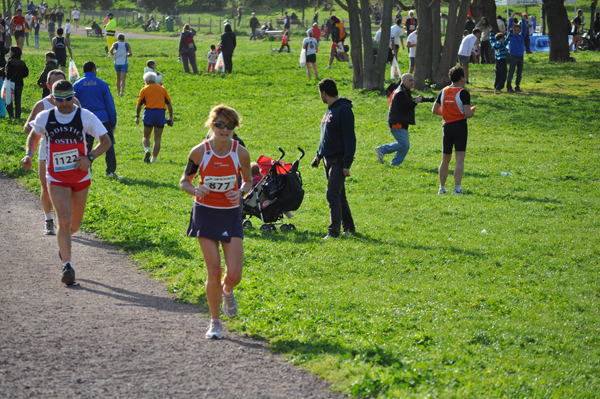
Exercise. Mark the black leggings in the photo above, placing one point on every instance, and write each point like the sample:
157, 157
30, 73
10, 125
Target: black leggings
284, 45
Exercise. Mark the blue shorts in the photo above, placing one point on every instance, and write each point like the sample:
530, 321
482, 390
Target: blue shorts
215, 224
154, 117
121, 68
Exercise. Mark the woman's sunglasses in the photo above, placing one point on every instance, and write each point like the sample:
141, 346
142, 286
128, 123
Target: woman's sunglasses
221, 125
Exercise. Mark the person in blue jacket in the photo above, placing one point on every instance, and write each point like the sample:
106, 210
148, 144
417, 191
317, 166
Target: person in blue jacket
94, 95
517, 50
336, 148
499, 44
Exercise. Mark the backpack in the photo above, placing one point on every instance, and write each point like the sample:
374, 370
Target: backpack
189, 42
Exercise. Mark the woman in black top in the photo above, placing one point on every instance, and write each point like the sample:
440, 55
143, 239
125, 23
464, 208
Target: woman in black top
16, 71
228, 43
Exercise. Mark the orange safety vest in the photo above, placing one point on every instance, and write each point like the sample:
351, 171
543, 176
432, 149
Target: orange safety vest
452, 106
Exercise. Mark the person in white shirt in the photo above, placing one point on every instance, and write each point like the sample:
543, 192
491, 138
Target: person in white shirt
75, 15
310, 44
151, 67
397, 34
469, 44
411, 43
68, 30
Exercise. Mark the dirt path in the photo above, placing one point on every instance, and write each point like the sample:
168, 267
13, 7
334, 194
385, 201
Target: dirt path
117, 333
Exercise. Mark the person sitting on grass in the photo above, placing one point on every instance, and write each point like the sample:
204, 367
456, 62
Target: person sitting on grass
285, 42
151, 67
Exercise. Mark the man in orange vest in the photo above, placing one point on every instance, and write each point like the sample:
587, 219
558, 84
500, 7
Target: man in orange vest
453, 104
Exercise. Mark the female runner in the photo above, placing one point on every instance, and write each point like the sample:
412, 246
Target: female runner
216, 215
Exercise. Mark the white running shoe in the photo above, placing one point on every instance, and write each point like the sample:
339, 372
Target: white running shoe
214, 330
457, 191
230, 306
379, 155
442, 191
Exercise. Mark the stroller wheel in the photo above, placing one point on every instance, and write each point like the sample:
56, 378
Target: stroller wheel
292, 227
285, 227
266, 227
247, 224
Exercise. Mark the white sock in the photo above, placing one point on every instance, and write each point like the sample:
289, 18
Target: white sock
215, 320
442, 187
457, 187
67, 262
49, 216
349, 63
153, 159
147, 149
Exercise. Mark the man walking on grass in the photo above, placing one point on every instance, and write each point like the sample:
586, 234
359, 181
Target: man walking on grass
336, 148
453, 104
68, 171
401, 114
517, 50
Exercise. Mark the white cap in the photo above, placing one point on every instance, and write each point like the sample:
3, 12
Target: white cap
309, 32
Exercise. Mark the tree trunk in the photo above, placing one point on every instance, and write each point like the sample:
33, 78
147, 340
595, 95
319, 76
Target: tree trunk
457, 15
593, 17
544, 19
424, 57
558, 30
368, 73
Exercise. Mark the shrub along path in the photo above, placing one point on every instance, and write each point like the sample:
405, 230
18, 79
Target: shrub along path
117, 333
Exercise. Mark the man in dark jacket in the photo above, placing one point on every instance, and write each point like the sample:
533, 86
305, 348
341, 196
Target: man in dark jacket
228, 44
51, 64
336, 148
401, 114
254, 25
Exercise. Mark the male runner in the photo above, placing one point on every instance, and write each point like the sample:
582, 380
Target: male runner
68, 169
42, 105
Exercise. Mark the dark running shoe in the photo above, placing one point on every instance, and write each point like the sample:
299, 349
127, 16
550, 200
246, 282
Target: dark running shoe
68, 274
147, 157
518, 90
49, 229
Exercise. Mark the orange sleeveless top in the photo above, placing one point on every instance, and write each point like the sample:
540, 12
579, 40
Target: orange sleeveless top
219, 174
452, 106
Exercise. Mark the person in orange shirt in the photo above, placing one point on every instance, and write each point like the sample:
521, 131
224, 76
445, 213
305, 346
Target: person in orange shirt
453, 104
156, 99
216, 215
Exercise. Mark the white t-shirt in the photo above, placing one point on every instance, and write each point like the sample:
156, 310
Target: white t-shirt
75, 14
43, 152
68, 28
397, 33
412, 38
378, 36
91, 126
467, 45
158, 77
311, 45
212, 57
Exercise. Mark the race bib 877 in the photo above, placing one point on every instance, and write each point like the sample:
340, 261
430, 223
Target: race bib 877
220, 184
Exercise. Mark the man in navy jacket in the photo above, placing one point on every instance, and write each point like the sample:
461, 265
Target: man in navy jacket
336, 148
94, 95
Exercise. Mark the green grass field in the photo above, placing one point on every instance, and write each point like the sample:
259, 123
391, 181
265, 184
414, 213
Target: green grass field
493, 294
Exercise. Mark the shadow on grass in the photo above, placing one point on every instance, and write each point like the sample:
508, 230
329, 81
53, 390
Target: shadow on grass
525, 199
435, 171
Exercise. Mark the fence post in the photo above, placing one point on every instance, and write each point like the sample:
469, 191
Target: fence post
199, 24
220, 25
210, 26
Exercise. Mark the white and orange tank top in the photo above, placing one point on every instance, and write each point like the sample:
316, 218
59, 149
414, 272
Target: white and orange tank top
452, 106
219, 174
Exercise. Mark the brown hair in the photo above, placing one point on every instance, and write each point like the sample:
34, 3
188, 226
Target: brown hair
255, 169
226, 112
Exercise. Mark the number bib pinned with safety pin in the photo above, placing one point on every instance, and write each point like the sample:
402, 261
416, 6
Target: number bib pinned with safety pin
220, 184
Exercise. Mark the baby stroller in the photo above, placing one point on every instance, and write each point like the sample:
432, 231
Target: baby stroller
280, 190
